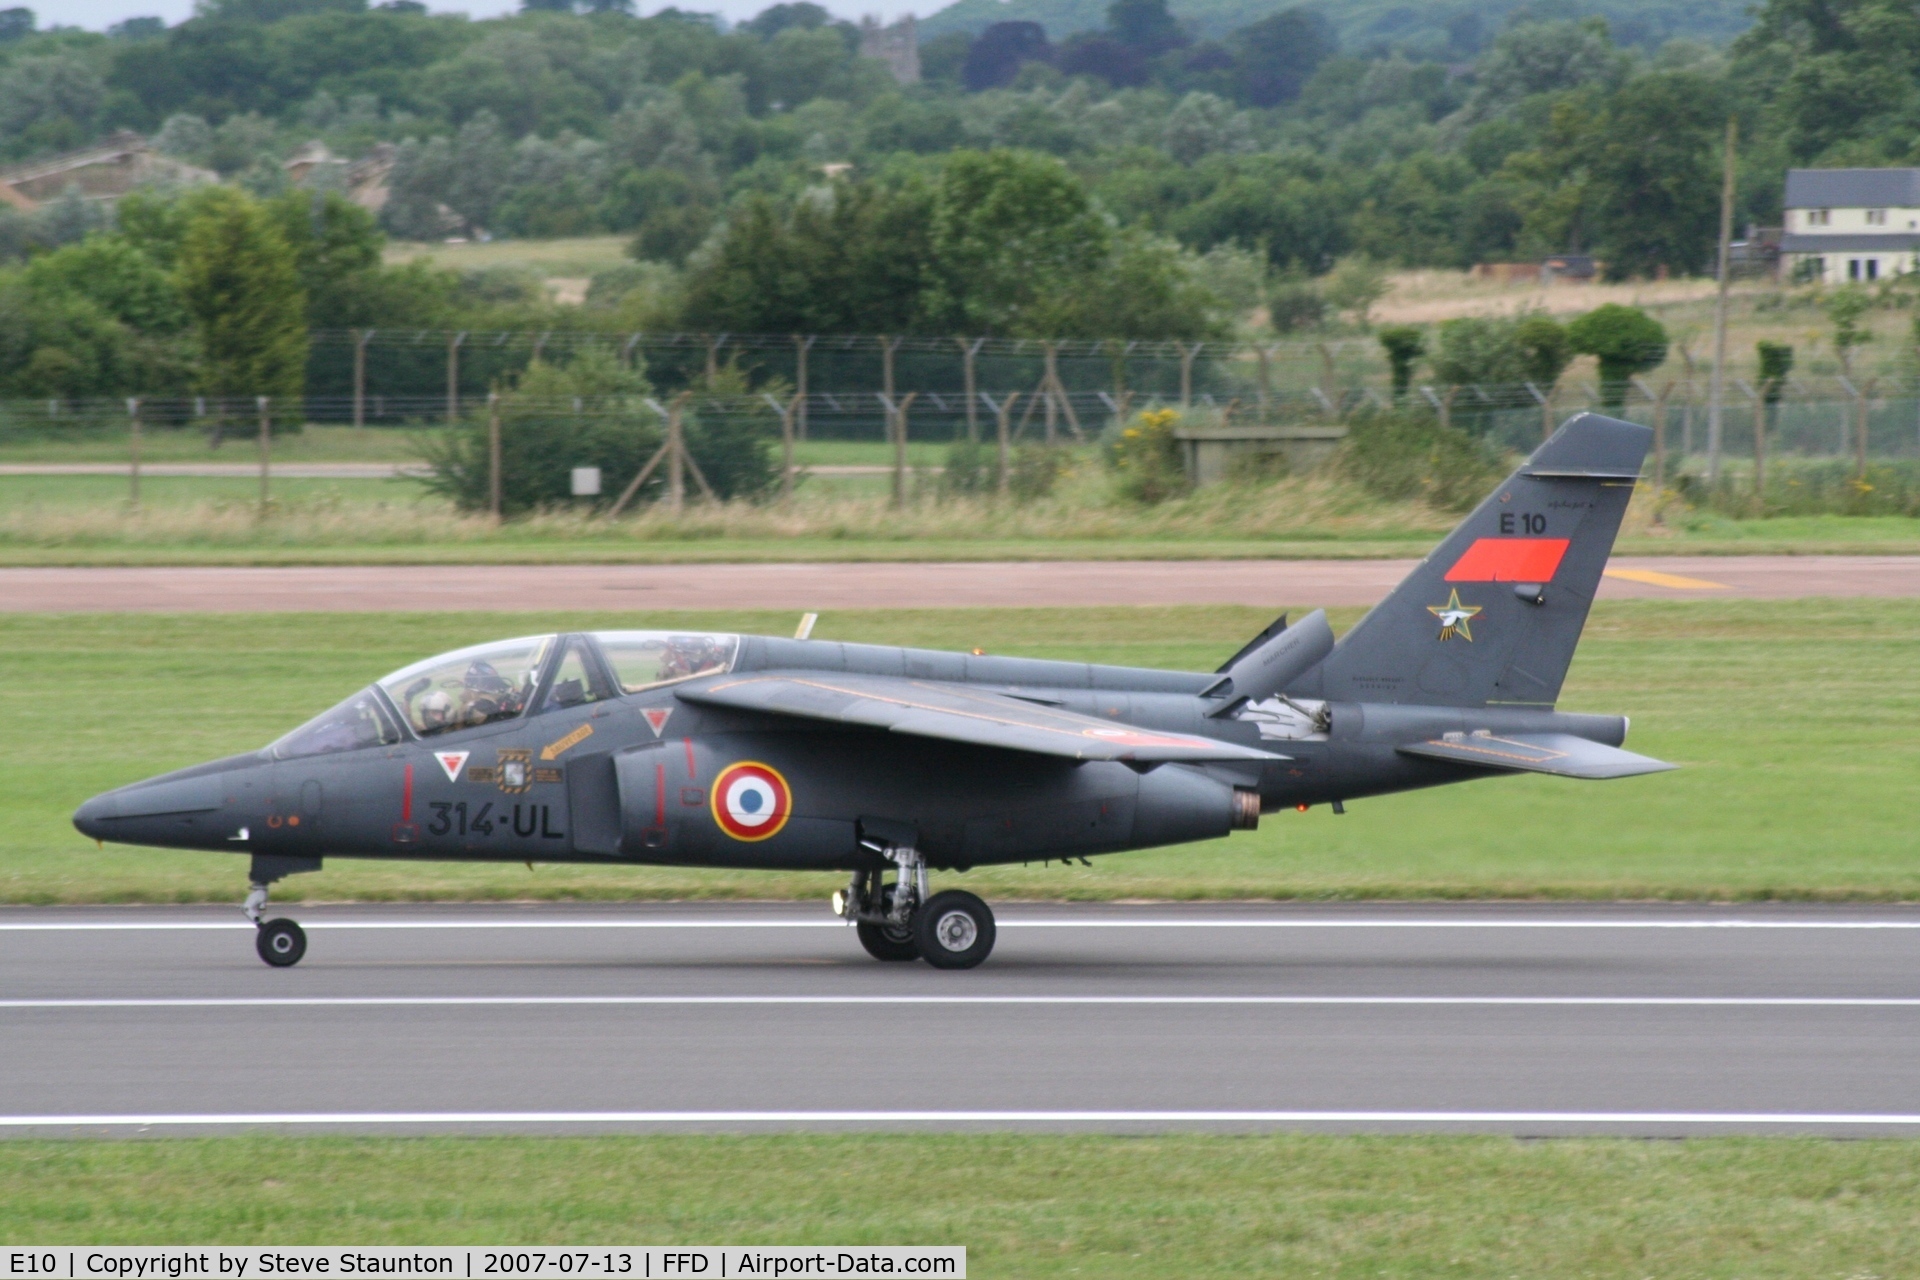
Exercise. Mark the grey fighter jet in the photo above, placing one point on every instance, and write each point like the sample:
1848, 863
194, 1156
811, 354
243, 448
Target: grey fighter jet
696, 749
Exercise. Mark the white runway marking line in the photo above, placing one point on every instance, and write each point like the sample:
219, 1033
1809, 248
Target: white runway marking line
347, 1002
110, 926
661, 1118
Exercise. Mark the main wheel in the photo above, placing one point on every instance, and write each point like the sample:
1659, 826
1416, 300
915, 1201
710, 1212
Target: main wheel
954, 930
885, 941
281, 943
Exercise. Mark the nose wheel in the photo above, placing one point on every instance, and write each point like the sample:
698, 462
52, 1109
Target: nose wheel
280, 943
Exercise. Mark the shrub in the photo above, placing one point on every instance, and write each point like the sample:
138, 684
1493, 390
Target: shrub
1146, 457
1035, 469
542, 439
971, 468
1401, 454
1797, 488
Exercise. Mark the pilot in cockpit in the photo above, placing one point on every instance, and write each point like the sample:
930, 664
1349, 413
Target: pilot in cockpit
482, 695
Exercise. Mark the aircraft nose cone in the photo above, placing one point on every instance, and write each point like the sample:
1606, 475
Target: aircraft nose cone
90, 818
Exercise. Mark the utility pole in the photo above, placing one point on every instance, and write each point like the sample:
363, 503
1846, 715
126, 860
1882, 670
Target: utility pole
1717, 393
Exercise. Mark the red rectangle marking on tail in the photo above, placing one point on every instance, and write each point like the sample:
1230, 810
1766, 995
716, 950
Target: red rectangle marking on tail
1509, 560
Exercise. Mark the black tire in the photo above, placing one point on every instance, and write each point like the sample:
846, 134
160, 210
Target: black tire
954, 930
281, 943
887, 942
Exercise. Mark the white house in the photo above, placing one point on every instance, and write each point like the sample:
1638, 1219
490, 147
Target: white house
1851, 224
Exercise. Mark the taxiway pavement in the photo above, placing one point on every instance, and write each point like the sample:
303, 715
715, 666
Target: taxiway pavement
1513, 1018
802, 586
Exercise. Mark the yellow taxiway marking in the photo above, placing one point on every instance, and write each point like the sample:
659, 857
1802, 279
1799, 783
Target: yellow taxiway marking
1654, 578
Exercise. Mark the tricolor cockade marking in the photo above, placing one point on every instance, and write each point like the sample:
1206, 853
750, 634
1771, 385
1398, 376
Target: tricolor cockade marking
751, 801
1455, 618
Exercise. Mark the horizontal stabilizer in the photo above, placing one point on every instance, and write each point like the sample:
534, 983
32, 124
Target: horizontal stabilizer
1270, 664
956, 713
1560, 754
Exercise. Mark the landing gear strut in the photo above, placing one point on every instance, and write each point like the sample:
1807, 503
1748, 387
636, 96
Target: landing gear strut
901, 921
280, 942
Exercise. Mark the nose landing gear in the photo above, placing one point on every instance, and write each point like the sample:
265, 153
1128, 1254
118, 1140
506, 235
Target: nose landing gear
281, 943
949, 930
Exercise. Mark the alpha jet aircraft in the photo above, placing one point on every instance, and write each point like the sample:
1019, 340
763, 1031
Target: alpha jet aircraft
694, 749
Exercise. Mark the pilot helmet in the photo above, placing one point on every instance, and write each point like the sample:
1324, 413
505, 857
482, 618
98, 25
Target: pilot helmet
436, 709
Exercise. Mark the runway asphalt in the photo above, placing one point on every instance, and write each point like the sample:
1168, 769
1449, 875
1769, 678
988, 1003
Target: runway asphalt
1537, 1019
1265, 583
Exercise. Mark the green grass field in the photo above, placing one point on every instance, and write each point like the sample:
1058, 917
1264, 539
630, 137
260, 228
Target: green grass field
1054, 1206
1793, 722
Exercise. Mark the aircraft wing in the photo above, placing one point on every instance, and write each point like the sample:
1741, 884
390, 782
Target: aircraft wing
956, 713
1560, 754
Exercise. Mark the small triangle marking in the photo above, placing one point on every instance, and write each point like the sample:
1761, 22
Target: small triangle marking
657, 718
451, 762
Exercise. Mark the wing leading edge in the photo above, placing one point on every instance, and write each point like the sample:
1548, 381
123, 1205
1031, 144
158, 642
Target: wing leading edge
1560, 754
930, 709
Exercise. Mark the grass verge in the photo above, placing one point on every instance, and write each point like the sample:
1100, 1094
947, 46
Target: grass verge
1031, 1206
1792, 721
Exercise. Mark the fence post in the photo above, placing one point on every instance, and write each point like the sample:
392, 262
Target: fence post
715, 341
1266, 381
453, 375
900, 449
801, 347
1187, 356
1861, 402
786, 412
133, 449
493, 455
626, 352
1003, 413
676, 461
969, 350
266, 450
360, 339
1769, 390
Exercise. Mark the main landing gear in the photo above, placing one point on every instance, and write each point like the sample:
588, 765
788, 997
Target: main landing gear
280, 943
901, 921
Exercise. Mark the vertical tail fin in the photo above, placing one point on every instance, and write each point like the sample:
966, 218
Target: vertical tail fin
1493, 615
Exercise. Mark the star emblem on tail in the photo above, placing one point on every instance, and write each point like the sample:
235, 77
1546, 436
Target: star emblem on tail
1455, 618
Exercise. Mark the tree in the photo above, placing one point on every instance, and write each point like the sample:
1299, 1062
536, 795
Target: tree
852, 259
1651, 175
1354, 285
1625, 340
1277, 55
1145, 26
1545, 349
1008, 229
999, 52
240, 281
1847, 309
1404, 345
112, 273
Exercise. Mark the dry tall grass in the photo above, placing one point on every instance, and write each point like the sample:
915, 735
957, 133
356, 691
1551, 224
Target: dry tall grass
1307, 507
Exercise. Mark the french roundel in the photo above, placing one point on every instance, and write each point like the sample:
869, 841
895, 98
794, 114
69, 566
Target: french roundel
751, 801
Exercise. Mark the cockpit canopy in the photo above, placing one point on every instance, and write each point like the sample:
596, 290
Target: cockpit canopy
504, 679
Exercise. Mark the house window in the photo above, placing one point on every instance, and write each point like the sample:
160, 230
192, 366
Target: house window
1819, 217
1853, 268
1873, 268
1876, 217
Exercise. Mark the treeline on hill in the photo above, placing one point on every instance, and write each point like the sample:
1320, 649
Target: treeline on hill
1130, 181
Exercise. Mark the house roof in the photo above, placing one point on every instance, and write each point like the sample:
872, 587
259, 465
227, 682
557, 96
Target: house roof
1864, 242
1853, 188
